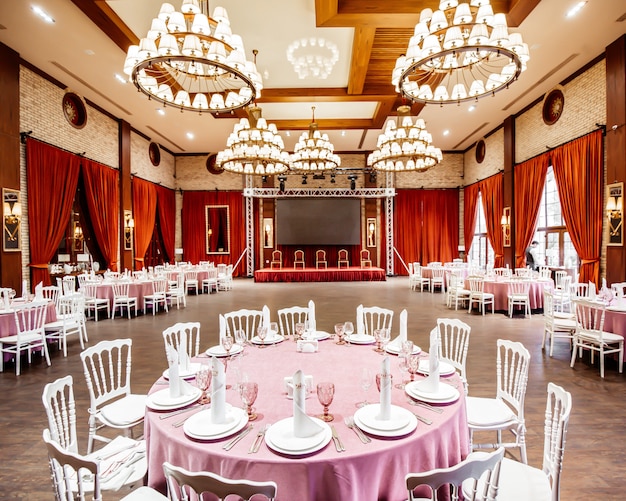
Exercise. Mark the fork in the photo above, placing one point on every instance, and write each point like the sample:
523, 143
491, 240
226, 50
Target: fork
349, 420
438, 410
258, 440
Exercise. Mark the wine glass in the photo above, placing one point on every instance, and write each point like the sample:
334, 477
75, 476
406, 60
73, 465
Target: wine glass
273, 332
203, 380
299, 330
261, 333
241, 339
325, 394
413, 361
378, 349
339, 332
227, 344
403, 366
348, 329
248, 392
366, 382
385, 336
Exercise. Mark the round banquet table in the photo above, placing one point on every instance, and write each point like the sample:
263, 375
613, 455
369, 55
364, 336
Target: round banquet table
500, 289
138, 289
8, 327
373, 471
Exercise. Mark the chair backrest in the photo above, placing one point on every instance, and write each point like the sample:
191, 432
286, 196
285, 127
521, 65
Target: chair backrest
277, 256
558, 409
437, 272
289, 317
512, 363
183, 484
320, 255
342, 255
159, 286
544, 272
120, 288
559, 276
52, 293
434, 264
417, 269
30, 318
191, 275
298, 256
502, 272
58, 401
523, 272
365, 255
485, 467
589, 317
548, 306
476, 284
579, 290
619, 289
74, 477
519, 287
246, 320
69, 284
454, 338
375, 317
173, 335
107, 368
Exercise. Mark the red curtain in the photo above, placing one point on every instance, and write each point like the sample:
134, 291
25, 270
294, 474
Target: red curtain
52, 176
470, 202
493, 206
578, 170
166, 210
102, 194
530, 177
144, 212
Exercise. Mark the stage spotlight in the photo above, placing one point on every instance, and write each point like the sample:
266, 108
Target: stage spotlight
352, 178
281, 181
304, 178
332, 178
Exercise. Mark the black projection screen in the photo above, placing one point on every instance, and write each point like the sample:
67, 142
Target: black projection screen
318, 221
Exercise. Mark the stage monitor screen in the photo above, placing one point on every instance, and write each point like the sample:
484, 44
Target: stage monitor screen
318, 221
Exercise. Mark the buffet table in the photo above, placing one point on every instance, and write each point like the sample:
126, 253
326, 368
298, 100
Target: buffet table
365, 471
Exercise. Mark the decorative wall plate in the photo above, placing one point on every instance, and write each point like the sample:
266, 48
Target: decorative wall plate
481, 150
74, 110
211, 166
154, 152
553, 106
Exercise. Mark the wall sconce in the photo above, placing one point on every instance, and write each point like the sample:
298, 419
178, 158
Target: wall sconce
129, 224
78, 237
371, 232
614, 205
506, 226
12, 211
268, 232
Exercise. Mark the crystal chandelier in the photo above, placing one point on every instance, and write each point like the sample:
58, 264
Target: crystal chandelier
254, 147
405, 146
193, 61
459, 53
312, 57
314, 151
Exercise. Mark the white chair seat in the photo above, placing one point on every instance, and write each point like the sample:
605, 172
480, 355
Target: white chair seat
24, 338
488, 412
564, 315
607, 337
564, 324
125, 411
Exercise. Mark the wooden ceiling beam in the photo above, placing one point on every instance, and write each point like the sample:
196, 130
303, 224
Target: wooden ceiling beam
361, 53
105, 18
326, 124
298, 95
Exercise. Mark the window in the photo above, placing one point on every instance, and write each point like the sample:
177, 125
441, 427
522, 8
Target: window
481, 252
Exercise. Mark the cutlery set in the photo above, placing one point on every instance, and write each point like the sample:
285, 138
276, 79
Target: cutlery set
230, 444
258, 440
338, 443
179, 411
438, 410
362, 436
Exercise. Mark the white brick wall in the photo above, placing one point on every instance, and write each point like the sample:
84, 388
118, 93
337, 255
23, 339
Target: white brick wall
141, 166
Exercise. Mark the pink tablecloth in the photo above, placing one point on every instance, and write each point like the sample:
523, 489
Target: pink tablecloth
364, 472
615, 318
8, 326
500, 290
136, 289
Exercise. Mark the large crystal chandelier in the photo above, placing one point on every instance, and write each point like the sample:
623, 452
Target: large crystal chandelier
405, 146
314, 152
458, 53
254, 147
193, 61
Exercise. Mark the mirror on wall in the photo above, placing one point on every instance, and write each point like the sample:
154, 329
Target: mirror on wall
217, 229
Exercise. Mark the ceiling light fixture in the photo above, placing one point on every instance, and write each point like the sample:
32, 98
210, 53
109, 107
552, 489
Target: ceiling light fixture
404, 146
42, 14
312, 57
314, 151
254, 147
458, 53
193, 61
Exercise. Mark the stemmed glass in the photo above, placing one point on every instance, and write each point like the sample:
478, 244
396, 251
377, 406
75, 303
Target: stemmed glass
413, 363
348, 329
366, 382
273, 329
299, 330
385, 336
339, 332
248, 392
241, 339
227, 344
403, 361
377, 338
203, 380
325, 394
261, 333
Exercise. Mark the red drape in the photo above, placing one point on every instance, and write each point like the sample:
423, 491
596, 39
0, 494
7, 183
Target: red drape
166, 210
52, 176
102, 194
530, 177
470, 202
578, 170
144, 212
493, 206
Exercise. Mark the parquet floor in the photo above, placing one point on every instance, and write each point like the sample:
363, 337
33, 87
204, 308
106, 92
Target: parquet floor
594, 457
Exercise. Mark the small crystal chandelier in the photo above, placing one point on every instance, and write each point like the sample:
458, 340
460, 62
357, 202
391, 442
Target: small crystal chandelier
405, 146
254, 147
313, 57
193, 61
314, 151
459, 53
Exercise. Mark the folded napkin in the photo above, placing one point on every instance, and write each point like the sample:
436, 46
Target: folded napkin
360, 327
266, 319
431, 383
39, 291
592, 291
183, 357
173, 372
5, 298
312, 322
385, 391
222, 319
396, 344
303, 425
218, 392
24, 288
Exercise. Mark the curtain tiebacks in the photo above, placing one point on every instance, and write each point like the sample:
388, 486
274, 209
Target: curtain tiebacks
589, 261
140, 259
38, 266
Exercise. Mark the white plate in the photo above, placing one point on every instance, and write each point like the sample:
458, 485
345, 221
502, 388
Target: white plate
161, 401
621, 308
361, 339
199, 425
368, 415
446, 394
190, 373
272, 340
445, 369
219, 351
390, 348
317, 335
279, 437
400, 432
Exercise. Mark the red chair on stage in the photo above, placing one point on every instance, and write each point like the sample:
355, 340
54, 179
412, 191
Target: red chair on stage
320, 259
342, 258
366, 262
298, 259
277, 259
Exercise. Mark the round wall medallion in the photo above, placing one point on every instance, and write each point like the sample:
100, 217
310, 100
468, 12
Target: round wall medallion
553, 106
74, 110
154, 152
481, 149
211, 166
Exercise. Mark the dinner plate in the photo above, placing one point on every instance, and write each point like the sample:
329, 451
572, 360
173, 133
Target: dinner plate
199, 426
317, 335
394, 350
361, 339
368, 415
280, 438
621, 308
445, 369
219, 351
161, 400
400, 432
188, 374
445, 395
272, 340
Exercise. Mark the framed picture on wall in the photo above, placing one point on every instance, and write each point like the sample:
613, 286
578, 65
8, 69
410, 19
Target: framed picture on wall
614, 213
12, 215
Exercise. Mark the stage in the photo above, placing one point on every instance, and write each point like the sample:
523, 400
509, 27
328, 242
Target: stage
352, 274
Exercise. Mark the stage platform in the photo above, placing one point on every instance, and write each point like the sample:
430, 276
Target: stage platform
352, 274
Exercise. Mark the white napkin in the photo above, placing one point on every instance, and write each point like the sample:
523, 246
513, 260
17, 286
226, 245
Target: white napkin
5, 298
183, 356
592, 291
222, 319
218, 392
431, 383
39, 291
398, 340
266, 322
385, 390
173, 372
303, 425
360, 327
24, 288
312, 323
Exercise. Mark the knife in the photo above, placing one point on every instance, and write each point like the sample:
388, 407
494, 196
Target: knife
423, 419
338, 444
229, 445
258, 440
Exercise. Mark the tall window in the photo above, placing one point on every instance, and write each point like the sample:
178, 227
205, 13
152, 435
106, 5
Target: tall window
481, 252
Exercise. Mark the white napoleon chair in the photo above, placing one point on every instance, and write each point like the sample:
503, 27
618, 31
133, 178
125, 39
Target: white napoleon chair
209, 284
289, 317
555, 327
619, 289
372, 318
518, 295
479, 296
122, 299
225, 277
191, 330
245, 320
107, 367
158, 296
176, 291
191, 281
437, 279
455, 292
454, 336
93, 302
71, 310
506, 410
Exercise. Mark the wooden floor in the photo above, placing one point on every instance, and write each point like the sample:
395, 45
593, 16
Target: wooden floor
595, 453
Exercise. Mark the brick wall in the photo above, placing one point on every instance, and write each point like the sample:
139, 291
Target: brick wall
141, 166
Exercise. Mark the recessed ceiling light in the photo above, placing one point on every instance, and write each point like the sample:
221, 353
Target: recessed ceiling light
160, 111
120, 78
575, 9
287, 133
446, 132
343, 133
471, 108
190, 135
90, 52
42, 14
